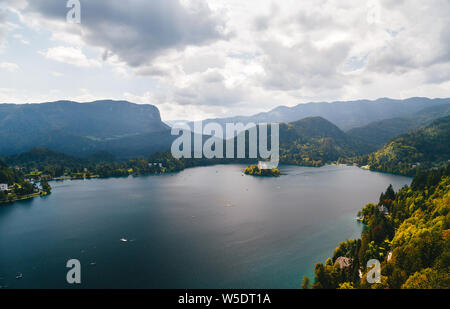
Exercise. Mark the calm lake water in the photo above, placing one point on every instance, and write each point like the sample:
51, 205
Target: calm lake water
205, 227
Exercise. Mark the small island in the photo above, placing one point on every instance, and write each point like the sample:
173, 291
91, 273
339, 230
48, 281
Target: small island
255, 170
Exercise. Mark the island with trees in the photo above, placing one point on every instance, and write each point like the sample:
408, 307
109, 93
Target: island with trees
255, 170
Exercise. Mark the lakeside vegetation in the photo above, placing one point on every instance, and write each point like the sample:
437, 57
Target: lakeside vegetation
308, 142
18, 187
407, 231
41, 163
312, 141
45, 164
254, 170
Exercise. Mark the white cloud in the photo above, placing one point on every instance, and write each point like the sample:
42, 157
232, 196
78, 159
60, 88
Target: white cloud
137, 31
18, 96
8, 66
223, 57
70, 55
20, 38
3, 29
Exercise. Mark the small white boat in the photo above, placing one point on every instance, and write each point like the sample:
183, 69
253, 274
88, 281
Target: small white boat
19, 276
123, 239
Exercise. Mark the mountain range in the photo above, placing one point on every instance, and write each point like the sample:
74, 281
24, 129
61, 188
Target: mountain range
345, 114
315, 141
81, 129
310, 134
380, 132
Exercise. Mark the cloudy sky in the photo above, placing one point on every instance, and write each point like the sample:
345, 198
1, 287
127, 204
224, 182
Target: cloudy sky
198, 59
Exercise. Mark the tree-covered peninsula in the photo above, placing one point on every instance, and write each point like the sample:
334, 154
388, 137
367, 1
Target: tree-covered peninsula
14, 187
407, 231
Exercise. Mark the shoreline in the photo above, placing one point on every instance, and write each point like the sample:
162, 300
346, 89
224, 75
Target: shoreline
218, 164
64, 178
72, 194
24, 198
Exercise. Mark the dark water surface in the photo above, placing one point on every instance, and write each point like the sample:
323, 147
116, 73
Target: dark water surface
205, 227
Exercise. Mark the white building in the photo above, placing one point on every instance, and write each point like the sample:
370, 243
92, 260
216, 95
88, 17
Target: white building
3, 187
384, 210
156, 164
263, 165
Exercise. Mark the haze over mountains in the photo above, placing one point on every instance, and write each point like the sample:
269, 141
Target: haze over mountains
345, 114
379, 132
125, 129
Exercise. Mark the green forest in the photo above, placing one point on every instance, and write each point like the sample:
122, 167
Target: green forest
407, 231
18, 188
45, 163
412, 152
315, 141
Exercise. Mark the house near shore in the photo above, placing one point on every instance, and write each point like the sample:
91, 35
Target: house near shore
156, 164
45, 177
343, 261
3, 187
383, 210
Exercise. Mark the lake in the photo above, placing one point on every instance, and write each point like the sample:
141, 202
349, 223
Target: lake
205, 227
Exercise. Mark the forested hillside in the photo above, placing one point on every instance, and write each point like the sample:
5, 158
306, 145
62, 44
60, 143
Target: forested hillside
81, 129
7, 175
408, 232
380, 132
45, 163
414, 151
315, 141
